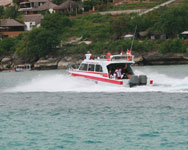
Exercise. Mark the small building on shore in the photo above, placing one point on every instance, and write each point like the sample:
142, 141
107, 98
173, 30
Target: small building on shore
10, 28
32, 21
68, 7
184, 35
48, 6
36, 6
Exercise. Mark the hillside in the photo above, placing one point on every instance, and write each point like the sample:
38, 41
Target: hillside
60, 36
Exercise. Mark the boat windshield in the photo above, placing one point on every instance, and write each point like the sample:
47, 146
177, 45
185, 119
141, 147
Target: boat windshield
112, 67
91, 67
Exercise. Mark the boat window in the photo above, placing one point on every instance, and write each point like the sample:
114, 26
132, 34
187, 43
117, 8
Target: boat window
98, 68
83, 67
91, 67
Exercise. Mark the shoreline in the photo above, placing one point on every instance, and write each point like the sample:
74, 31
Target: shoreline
141, 59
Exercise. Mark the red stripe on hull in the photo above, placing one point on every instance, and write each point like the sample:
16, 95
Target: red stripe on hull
98, 78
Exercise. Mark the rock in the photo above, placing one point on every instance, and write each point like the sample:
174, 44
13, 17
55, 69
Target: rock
6, 60
43, 64
138, 59
5, 66
185, 57
6, 63
164, 59
141, 58
1, 68
63, 63
66, 58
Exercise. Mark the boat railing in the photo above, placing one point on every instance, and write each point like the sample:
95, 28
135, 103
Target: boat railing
118, 58
103, 57
122, 57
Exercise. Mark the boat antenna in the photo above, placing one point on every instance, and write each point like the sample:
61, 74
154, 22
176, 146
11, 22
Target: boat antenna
133, 38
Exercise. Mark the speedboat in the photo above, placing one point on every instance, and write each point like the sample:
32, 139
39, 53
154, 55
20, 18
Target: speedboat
103, 69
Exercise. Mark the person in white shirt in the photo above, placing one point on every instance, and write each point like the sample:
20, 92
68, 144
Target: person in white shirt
118, 73
88, 55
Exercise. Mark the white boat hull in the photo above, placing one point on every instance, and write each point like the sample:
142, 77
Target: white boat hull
100, 77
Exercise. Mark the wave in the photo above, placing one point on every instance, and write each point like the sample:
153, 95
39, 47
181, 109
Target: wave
66, 83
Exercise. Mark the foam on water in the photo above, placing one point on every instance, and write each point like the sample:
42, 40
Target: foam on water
66, 83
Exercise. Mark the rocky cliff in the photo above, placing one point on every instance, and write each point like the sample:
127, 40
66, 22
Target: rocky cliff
153, 58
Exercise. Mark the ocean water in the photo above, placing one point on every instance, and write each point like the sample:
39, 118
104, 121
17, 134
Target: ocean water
50, 110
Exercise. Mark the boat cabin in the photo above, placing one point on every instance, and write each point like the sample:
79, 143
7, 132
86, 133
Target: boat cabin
115, 69
102, 65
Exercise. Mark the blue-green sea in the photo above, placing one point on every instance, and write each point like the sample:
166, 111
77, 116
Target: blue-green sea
50, 110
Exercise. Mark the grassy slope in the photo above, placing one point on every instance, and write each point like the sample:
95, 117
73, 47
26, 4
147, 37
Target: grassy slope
128, 6
96, 28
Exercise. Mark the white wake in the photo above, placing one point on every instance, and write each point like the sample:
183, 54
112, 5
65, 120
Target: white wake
62, 82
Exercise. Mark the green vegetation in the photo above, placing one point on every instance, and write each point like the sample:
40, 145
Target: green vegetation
104, 31
58, 1
141, 5
98, 4
173, 46
16, 1
56, 23
7, 46
42, 41
92, 27
100, 47
9, 12
38, 43
1, 11
173, 21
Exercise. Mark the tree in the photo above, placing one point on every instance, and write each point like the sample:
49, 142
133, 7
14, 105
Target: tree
121, 25
16, 1
37, 43
173, 21
11, 12
56, 22
142, 22
174, 46
42, 41
58, 1
7, 46
1, 11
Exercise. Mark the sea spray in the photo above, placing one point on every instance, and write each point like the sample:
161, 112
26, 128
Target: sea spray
63, 82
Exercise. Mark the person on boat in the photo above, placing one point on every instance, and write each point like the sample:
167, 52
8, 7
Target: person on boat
108, 56
88, 55
126, 72
118, 73
129, 55
110, 74
91, 57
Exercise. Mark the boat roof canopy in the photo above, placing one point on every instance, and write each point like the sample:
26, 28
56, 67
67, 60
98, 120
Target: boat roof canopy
129, 59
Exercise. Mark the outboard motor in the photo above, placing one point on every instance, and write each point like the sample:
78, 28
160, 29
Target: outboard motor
142, 79
134, 81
